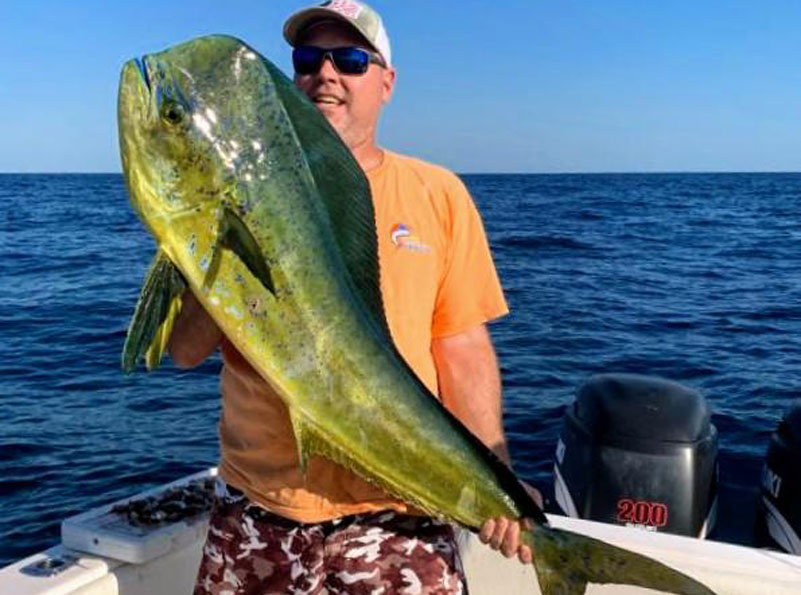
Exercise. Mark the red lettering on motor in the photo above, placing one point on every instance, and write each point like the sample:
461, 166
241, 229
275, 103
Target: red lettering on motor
642, 512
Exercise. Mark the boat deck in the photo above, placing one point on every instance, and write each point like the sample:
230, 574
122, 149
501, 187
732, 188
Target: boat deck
727, 569
163, 560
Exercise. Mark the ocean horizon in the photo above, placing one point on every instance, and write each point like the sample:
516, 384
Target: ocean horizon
473, 173
691, 277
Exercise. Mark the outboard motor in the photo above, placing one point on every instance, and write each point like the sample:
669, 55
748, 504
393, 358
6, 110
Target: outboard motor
639, 451
781, 484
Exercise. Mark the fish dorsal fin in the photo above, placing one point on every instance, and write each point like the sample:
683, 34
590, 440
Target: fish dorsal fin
343, 188
346, 194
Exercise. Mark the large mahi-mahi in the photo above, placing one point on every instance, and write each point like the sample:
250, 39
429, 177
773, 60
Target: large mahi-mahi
260, 210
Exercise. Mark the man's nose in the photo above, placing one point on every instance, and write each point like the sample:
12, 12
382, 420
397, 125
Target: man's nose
327, 68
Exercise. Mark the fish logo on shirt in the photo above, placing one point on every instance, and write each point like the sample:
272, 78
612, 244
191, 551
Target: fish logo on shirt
402, 236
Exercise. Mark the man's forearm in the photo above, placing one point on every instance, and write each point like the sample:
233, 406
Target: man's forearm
470, 385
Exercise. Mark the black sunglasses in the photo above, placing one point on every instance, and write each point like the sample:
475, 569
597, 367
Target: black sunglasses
308, 59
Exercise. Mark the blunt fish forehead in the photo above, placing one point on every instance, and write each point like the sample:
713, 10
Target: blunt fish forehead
167, 161
223, 89
201, 70
213, 69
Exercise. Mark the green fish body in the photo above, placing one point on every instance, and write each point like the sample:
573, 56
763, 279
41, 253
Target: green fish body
260, 210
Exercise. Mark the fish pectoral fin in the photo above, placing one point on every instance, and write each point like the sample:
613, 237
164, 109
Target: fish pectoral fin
234, 235
567, 561
158, 306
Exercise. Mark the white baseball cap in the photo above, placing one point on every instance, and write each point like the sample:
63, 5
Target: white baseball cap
366, 21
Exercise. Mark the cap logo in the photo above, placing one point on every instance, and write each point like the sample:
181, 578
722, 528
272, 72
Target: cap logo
347, 8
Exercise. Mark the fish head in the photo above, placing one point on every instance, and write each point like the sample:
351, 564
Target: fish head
183, 115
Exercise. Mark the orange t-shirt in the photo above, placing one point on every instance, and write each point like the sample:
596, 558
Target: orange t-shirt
437, 279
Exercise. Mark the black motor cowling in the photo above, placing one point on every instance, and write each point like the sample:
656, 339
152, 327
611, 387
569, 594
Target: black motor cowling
781, 484
639, 451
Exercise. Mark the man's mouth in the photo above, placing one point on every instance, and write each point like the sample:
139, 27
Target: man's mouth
328, 100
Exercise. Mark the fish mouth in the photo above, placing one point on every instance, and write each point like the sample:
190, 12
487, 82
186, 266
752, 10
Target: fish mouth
141, 67
137, 89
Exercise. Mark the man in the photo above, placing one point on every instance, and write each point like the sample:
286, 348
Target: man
275, 530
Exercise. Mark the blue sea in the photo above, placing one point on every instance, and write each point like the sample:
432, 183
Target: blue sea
692, 277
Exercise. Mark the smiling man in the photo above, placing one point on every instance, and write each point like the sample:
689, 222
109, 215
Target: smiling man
274, 529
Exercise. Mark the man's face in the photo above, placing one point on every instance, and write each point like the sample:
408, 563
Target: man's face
350, 102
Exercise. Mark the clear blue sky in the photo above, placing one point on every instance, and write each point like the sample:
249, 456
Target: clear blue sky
507, 86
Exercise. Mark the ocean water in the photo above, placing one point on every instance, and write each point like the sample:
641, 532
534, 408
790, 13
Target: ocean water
693, 277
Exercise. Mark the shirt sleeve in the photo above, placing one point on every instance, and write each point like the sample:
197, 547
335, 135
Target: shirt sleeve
470, 292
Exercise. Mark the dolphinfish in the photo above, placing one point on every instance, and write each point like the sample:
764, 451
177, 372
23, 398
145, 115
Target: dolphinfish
258, 208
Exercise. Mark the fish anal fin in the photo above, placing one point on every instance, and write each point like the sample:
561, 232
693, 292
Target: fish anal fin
310, 443
303, 439
152, 322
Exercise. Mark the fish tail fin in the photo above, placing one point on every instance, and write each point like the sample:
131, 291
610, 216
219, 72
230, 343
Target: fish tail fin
566, 562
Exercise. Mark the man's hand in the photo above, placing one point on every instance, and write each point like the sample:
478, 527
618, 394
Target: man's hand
504, 534
195, 336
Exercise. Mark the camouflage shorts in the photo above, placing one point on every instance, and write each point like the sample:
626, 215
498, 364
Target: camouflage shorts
250, 551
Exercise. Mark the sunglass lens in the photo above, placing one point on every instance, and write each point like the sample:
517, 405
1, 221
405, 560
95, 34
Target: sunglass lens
351, 60
307, 59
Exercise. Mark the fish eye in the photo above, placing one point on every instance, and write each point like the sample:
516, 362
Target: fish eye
173, 112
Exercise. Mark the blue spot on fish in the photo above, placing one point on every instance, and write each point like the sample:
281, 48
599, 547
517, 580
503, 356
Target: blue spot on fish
235, 312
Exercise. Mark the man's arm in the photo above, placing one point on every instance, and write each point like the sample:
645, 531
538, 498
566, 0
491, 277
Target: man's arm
470, 384
470, 387
195, 336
